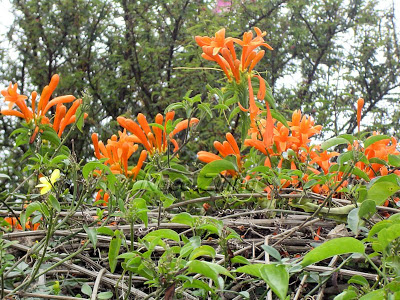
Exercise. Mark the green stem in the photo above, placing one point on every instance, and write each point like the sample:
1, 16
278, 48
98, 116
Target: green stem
381, 274
49, 234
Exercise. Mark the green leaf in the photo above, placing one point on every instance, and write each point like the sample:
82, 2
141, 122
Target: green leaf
347, 295
381, 190
202, 251
4, 176
253, 269
91, 166
183, 218
157, 125
80, 118
104, 295
279, 117
387, 235
200, 267
113, 252
92, 234
58, 159
375, 295
174, 106
233, 113
367, 208
30, 209
54, 203
145, 185
86, 289
205, 107
212, 170
331, 248
277, 277
272, 251
139, 206
333, 142
50, 135
394, 160
238, 259
358, 279
353, 220
164, 234
348, 137
198, 284
105, 230
373, 139
360, 173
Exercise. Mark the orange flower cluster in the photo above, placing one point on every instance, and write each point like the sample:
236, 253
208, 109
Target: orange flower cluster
228, 147
15, 224
222, 51
101, 195
154, 138
62, 117
380, 149
117, 152
302, 129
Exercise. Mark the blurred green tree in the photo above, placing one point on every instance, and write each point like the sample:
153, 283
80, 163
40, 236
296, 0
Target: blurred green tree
128, 55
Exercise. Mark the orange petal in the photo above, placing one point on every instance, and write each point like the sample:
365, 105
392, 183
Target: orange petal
256, 59
182, 125
57, 100
232, 142
360, 104
207, 157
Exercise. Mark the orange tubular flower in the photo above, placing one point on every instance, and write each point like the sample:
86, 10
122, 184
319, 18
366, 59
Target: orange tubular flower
118, 151
322, 158
303, 128
282, 139
154, 139
228, 147
61, 119
15, 224
360, 104
222, 51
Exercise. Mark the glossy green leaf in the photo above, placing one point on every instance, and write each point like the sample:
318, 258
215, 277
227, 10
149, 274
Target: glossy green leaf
113, 252
387, 235
183, 218
394, 160
212, 170
79, 118
203, 250
92, 234
382, 190
205, 107
272, 251
358, 279
333, 142
86, 289
164, 234
277, 278
104, 295
253, 269
200, 267
238, 259
331, 248
145, 185
375, 295
105, 230
50, 135
347, 295
54, 203
374, 139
